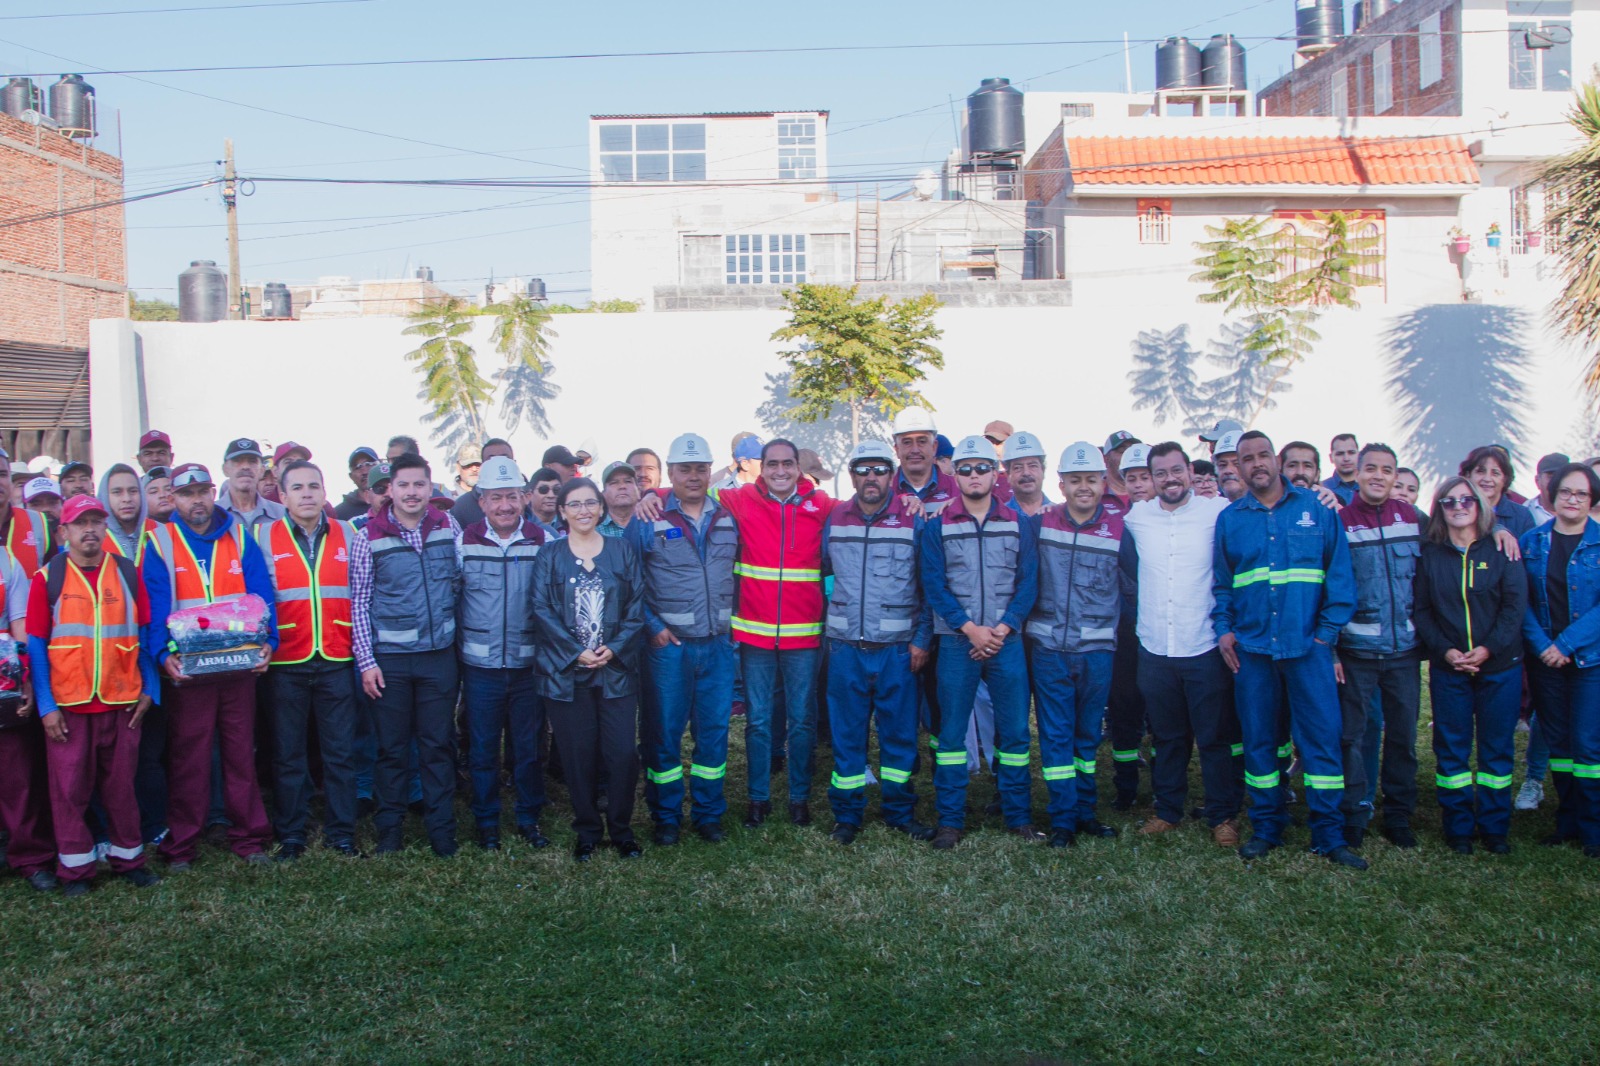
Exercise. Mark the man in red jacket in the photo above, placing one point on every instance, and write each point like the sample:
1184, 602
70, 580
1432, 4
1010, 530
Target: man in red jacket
778, 620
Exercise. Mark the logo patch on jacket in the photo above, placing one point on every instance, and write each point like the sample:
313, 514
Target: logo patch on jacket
234, 569
1305, 519
892, 520
810, 506
340, 557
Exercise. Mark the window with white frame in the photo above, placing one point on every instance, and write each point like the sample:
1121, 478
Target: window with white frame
1077, 111
1540, 39
1155, 224
1339, 93
1383, 77
765, 258
653, 151
1430, 51
797, 146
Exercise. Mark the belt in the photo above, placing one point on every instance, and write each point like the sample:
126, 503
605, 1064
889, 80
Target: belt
870, 645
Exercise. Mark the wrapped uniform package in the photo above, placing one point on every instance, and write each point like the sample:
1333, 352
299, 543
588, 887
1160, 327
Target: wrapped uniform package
220, 638
10, 682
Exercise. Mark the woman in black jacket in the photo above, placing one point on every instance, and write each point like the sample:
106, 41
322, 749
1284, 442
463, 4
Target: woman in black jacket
1469, 601
588, 594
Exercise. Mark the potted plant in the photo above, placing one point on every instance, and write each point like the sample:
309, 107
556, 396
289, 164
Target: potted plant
1492, 235
1460, 240
1535, 238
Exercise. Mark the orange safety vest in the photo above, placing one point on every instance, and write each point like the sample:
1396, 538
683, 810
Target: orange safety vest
94, 637
192, 586
113, 548
27, 538
313, 614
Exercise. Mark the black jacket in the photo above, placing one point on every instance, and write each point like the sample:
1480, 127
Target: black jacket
555, 618
352, 506
1466, 601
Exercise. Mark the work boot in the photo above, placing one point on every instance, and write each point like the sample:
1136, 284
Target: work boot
1225, 834
389, 840
758, 812
1496, 845
844, 833
73, 889
533, 835
489, 837
43, 881
1062, 838
664, 834
711, 832
1401, 836
141, 878
800, 813
913, 829
1255, 849
1155, 826
290, 851
1355, 836
1343, 856
947, 837
1459, 845
1093, 827
1124, 801
1025, 832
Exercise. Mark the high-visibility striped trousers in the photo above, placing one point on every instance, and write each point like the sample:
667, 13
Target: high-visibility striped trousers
1467, 707
863, 684
1569, 714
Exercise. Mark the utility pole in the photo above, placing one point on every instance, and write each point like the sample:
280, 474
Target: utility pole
230, 200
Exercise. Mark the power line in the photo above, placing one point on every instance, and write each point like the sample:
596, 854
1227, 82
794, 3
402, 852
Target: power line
65, 212
171, 10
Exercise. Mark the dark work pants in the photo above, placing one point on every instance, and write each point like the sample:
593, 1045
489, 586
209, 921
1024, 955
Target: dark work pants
1569, 713
592, 731
150, 779
325, 692
418, 704
25, 798
1397, 685
209, 715
504, 704
1190, 703
1125, 712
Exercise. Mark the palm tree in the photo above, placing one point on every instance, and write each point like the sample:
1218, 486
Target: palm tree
1572, 198
451, 384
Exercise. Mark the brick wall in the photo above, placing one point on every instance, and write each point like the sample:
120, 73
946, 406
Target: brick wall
1306, 90
57, 274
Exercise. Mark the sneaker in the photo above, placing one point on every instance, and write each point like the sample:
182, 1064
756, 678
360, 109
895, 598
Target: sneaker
1529, 796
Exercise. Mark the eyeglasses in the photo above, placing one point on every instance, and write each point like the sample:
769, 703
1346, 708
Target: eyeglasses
1457, 503
1572, 494
872, 469
582, 505
969, 469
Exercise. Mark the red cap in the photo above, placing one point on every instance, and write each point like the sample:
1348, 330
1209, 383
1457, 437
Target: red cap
154, 436
285, 448
80, 505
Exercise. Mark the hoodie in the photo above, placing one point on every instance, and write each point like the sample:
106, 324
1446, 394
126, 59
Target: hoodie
127, 541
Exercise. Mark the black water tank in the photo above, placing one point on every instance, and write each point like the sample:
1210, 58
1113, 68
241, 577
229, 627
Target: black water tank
1222, 63
536, 289
424, 273
276, 302
1178, 64
1318, 23
19, 95
1367, 10
994, 119
72, 103
202, 292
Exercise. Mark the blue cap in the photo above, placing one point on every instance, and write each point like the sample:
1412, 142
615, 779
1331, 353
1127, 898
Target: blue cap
943, 449
749, 448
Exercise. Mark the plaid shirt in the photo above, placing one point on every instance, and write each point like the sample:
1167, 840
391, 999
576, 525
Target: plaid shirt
361, 588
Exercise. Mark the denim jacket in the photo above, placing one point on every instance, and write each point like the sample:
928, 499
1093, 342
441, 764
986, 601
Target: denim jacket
1580, 640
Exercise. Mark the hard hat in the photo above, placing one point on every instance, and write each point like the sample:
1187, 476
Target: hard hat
1228, 443
689, 448
974, 449
870, 449
499, 472
914, 420
1081, 457
1023, 445
1137, 457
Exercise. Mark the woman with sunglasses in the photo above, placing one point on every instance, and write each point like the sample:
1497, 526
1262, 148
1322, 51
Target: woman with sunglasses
1469, 604
588, 593
1563, 632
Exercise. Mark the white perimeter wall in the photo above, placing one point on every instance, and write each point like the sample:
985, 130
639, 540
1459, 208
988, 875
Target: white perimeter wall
635, 379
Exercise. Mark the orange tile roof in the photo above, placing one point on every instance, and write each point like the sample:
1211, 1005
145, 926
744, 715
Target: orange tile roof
1270, 161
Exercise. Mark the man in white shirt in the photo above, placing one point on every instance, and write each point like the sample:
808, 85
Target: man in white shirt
1187, 688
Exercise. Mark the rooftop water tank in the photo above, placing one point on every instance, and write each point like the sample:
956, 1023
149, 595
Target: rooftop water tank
276, 301
1179, 64
19, 95
1318, 24
536, 289
1367, 10
994, 119
202, 292
72, 105
1222, 63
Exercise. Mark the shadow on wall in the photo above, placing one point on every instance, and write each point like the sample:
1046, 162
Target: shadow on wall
1165, 378
828, 437
1457, 373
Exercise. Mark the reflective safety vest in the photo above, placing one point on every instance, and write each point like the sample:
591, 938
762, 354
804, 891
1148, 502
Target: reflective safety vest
313, 614
114, 547
94, 633
780, 602
191, 585
27, 538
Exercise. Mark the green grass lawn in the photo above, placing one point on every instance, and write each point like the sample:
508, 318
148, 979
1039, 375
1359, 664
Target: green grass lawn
779, 946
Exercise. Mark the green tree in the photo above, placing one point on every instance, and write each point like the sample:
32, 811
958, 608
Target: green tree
151, 310
451, 385
1572, 214
863, 353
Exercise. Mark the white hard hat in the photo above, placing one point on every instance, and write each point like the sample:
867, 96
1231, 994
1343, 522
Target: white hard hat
974, 449
1228, 443
500, 472
1137, 457
689, 448
870, 449
1023, 445
1222, 427
43, 464
1081, 457
914, 420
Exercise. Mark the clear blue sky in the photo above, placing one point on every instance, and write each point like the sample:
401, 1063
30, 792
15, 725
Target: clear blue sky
533, 113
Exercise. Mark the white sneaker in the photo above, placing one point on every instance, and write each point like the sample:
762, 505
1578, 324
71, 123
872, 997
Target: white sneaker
1530, 795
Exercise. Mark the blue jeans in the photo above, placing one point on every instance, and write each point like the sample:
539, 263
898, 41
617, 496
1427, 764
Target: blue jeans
1007, 676
769, 672
1569, 709
864, 683
688, 685
1467, 707
1259, 692
1070, 691
498, 700
1538, 756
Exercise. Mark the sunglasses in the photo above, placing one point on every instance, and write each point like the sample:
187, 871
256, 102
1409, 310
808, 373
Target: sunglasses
546, 488
874, 469
969, 469
1457, 503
